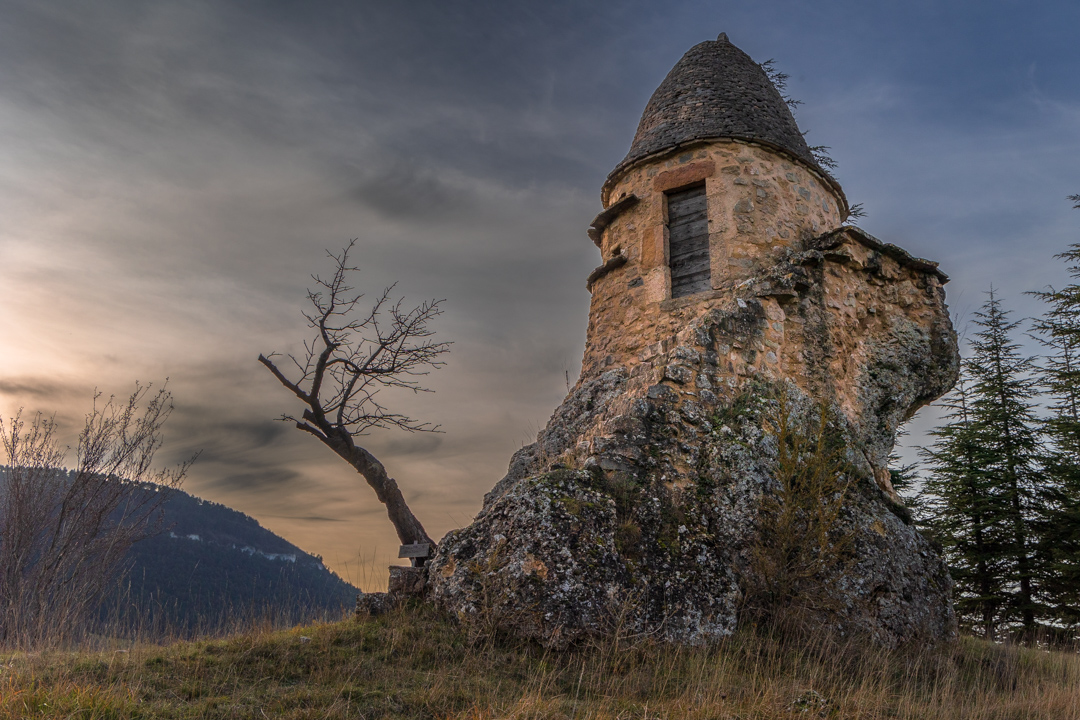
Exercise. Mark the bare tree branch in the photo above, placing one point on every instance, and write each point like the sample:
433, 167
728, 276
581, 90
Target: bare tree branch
351, 357
63, 533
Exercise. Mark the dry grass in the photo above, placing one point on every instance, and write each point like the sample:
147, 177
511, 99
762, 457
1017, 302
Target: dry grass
416, 664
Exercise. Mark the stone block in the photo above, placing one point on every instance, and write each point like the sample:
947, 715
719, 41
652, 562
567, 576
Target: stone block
652, 249
685, 175
690, 355
656, 285
406, 582
679, 374
373, 604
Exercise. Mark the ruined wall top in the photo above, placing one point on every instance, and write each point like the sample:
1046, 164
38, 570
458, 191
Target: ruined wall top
716, 91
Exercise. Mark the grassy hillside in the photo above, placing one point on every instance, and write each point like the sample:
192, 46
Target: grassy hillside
416, 664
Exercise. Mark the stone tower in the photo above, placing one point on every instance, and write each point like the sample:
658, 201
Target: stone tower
719, 190
718, 183
727, 281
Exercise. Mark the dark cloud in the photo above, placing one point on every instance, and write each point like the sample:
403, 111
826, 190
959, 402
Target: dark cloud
405, 191
266, 480
250, 436
33, 387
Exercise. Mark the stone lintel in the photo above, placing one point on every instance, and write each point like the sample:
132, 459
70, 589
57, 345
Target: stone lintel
684, 176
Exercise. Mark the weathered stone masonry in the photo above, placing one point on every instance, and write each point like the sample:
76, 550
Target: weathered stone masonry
639, 500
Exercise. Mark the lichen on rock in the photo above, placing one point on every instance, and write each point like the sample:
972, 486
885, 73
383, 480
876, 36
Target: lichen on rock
648, 550
640, 503
652, 524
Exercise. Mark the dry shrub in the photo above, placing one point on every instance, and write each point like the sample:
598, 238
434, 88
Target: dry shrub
801, 541
63, 533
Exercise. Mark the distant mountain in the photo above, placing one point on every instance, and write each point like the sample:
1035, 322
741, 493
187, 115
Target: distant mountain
212, 565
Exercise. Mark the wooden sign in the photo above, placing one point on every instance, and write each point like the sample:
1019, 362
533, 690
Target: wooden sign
415, 550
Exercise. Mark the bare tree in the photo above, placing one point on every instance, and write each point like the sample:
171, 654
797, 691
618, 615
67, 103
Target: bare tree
63, 533
353, 355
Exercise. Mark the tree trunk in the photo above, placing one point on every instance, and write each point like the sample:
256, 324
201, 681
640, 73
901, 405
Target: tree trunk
408, 527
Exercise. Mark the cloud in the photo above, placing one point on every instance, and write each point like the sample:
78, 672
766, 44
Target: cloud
265, 480
416, 444
33, 387
404, 191
310, 518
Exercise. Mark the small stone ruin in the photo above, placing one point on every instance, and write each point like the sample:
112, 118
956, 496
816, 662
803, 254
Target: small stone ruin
729, 290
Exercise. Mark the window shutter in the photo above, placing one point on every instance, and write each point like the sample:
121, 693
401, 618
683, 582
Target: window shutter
688, 242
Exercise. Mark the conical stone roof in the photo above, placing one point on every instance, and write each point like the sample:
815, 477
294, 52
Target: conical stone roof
716, 91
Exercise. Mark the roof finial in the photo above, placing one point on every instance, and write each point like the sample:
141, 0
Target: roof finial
722, 37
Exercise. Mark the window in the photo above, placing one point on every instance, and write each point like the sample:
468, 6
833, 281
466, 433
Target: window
688, 242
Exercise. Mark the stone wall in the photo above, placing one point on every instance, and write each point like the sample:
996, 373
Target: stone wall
829, 310
761, 206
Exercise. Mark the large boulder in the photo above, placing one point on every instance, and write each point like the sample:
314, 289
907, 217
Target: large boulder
652, 500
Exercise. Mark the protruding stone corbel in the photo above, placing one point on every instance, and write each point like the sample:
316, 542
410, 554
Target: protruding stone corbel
616, 261
606, 217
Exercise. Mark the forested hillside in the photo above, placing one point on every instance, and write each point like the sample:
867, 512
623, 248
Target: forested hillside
211, 564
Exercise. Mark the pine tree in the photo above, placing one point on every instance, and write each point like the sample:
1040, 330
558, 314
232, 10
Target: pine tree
1002, 410
1059, 551
961, 511
985, 487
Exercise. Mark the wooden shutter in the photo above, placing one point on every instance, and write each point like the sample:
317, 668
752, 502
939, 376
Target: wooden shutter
688, 242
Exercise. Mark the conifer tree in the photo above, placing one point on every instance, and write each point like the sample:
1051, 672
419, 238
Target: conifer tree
986, 491
961, 510
1059, 331
1002, 411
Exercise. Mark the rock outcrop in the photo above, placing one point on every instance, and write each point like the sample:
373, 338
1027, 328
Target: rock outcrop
650, 502
639, 505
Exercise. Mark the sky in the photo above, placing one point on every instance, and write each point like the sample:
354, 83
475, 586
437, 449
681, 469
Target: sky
171, 173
